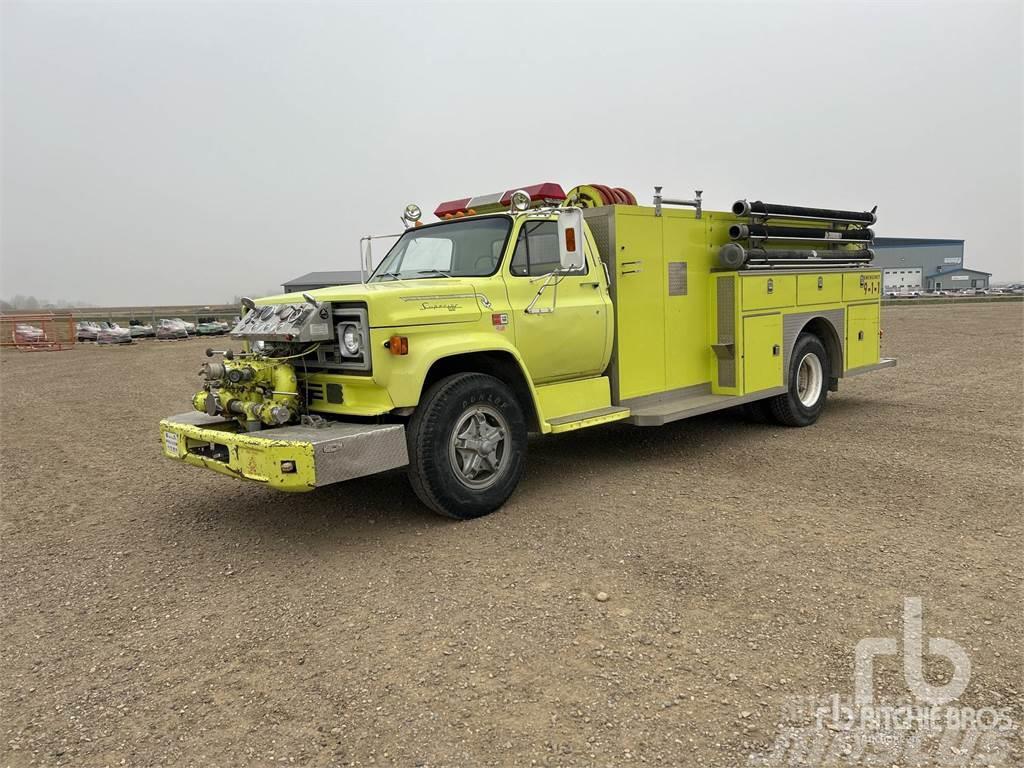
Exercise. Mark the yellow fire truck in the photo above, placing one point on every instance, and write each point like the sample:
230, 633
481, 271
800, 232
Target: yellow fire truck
537, 310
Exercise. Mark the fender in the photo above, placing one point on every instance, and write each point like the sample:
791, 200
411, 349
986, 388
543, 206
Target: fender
404, 376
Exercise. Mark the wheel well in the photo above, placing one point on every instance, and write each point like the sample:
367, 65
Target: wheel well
829, 337
500, 365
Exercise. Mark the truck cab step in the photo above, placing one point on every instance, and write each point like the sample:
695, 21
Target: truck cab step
588, 418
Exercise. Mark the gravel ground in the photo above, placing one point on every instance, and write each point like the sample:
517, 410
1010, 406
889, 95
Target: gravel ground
156, 614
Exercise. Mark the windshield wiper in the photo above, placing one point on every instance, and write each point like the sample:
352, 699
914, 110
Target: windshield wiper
433, 272
392, 275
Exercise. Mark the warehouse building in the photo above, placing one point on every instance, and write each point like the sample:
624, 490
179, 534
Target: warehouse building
925, 264
314, 280
957, 279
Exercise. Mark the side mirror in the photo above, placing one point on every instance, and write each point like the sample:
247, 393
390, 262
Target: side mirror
570, 240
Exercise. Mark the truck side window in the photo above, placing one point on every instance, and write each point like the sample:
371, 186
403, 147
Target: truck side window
536, 250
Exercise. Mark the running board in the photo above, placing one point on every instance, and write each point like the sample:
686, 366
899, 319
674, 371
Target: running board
588, 418
663, 410
885, 362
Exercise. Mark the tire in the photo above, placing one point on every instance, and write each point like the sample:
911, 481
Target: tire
805, 399
467, 445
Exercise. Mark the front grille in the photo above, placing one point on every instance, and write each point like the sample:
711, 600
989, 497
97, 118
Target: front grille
314, 391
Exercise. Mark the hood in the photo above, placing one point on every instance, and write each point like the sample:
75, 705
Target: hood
408, 302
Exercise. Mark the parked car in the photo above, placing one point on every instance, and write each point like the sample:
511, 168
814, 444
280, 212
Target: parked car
141, 331
87, 330
190, 328
112, 333
28, 334
171, 329
213, 328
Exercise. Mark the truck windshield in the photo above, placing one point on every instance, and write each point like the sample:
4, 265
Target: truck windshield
455, 249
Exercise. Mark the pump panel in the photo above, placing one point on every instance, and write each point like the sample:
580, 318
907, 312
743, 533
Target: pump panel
286, 322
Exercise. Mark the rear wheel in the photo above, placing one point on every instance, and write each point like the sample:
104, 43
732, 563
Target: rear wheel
467, 445
807, 391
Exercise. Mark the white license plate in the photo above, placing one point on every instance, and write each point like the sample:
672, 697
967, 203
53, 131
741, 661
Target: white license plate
171, 443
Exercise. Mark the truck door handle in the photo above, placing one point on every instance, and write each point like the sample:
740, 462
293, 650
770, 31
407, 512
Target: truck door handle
594, 284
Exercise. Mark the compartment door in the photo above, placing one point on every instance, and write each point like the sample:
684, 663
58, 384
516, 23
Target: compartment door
861, 335
762, 352
768, 291
640, 276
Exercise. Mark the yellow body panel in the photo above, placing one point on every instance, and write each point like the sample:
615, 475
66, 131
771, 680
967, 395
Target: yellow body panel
569, 397
362, 396
858, 286
762, 352
819, 288
768, 291
862, 340
686, 260
640, 299
567, 334
667, 342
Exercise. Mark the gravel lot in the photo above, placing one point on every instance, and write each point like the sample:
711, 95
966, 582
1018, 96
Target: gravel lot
156, 614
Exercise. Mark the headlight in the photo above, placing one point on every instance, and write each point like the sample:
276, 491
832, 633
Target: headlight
350, 341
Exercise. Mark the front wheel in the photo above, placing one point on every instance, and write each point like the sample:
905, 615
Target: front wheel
467, 445
807, 391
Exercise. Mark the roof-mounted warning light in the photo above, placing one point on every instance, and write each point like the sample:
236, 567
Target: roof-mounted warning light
548, 193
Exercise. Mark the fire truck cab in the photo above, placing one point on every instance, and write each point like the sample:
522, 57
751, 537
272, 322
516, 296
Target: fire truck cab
541, 311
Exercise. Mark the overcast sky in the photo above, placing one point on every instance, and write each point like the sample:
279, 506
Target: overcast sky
190, 152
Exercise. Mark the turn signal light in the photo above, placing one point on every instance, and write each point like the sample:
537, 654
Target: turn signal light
398, 345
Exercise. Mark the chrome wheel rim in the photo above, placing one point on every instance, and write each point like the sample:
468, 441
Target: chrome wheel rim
478, 446
809, 379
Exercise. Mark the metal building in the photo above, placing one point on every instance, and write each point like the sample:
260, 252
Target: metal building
956, 279
908, 262
315, 280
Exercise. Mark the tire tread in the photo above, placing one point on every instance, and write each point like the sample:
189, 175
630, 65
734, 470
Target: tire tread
425, 429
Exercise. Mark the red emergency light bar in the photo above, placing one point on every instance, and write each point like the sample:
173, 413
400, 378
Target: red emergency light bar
548, 192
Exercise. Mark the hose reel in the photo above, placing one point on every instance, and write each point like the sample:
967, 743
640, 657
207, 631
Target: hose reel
596, 195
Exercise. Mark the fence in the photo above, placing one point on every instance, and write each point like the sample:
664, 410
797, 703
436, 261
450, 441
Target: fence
153, 315
40, 332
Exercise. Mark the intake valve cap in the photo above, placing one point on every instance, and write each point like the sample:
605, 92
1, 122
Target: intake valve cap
273, 414
213, 371
732, 256
238, 375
